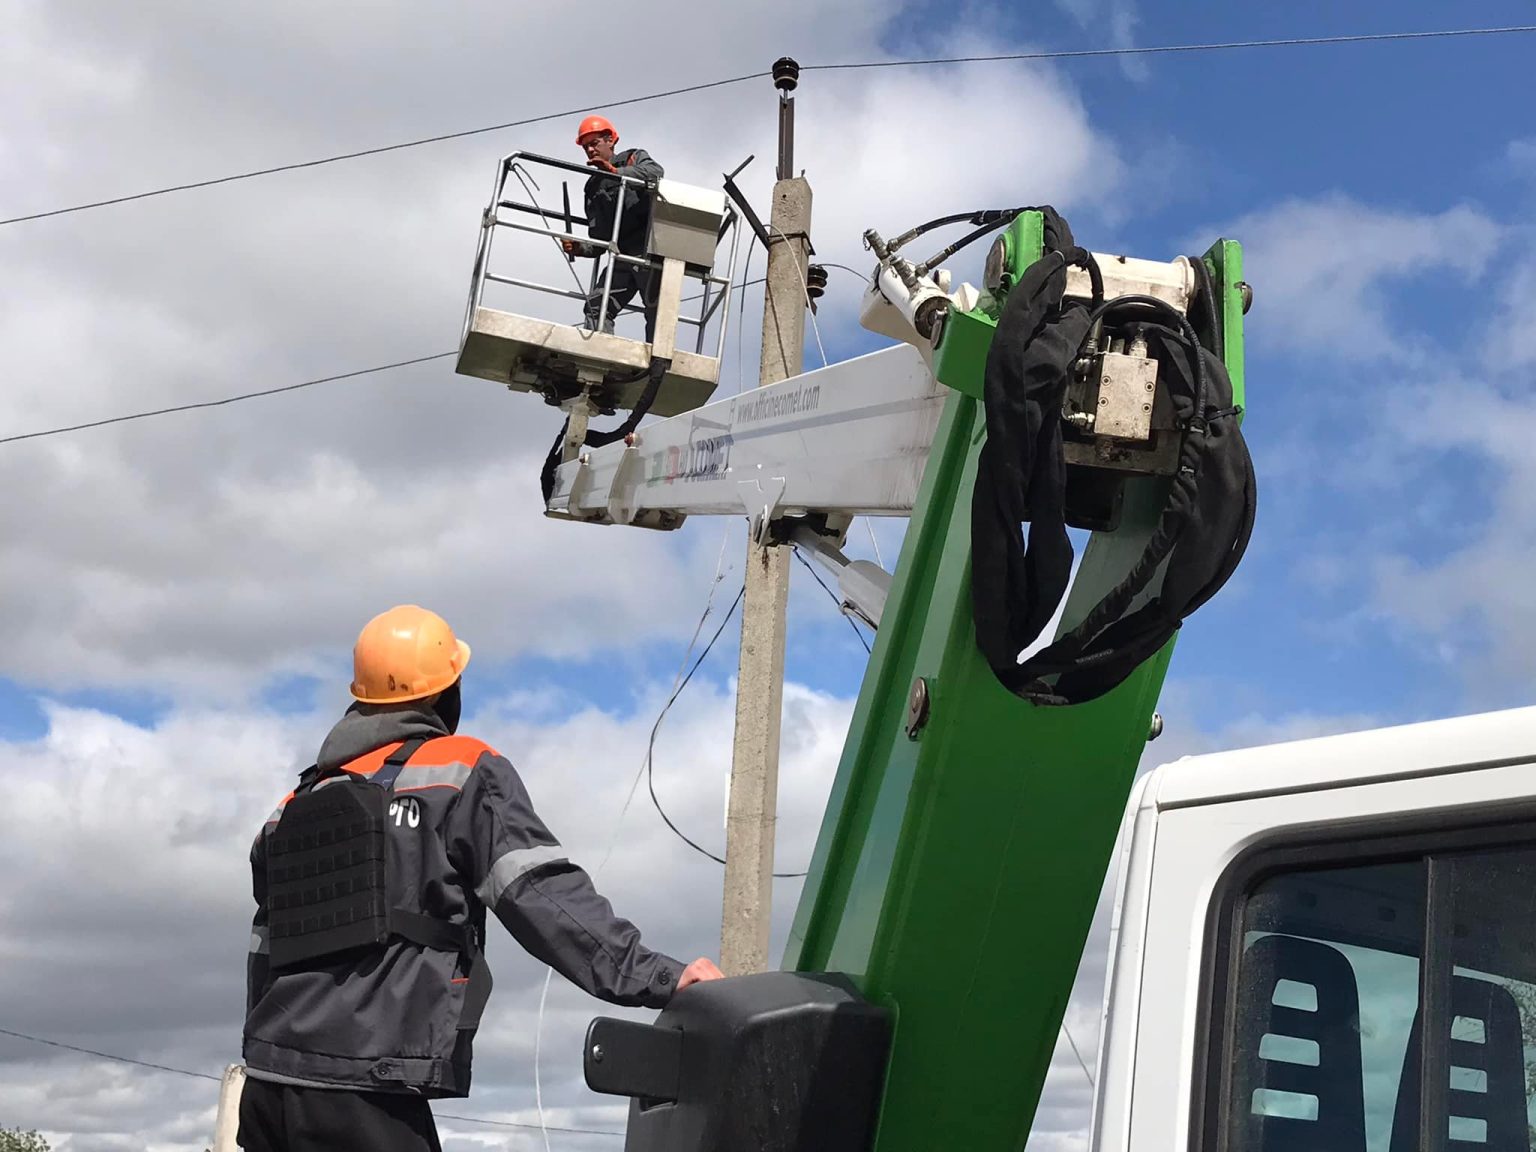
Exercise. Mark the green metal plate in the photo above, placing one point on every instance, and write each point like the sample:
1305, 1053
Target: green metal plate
957, 872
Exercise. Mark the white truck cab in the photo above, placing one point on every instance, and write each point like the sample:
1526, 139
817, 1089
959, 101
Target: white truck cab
1292, 921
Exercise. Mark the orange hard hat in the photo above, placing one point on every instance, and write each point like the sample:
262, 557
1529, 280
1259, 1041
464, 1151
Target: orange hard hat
593, 125
407, 653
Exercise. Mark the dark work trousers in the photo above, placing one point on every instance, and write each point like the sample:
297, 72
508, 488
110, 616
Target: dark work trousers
281, 1118
628, 279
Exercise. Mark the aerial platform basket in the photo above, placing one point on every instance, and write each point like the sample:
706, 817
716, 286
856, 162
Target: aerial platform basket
690, 228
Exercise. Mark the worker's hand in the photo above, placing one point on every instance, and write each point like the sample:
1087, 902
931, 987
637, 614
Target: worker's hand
599, 162
569, 247
701, 969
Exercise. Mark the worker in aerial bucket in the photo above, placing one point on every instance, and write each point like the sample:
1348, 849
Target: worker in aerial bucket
367, 972
597, 138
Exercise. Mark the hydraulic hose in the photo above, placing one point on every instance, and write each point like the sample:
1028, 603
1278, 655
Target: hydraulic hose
983, 216
992, 225
1207, 292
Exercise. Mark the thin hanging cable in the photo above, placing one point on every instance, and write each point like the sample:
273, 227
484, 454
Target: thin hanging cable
256, 395
677, 679
845, 268
1081, 1063
650, 776
219, 1079
613, 840
524, 178
650, 749
1071, 54
805, 290
227, 400
108, 1055
541, 119
528, 1127
741, 318
1165, 49
538, 1035
733, 287
873, 541
836, 599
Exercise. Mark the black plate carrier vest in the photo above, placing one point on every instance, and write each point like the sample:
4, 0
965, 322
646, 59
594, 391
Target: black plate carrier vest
329, 888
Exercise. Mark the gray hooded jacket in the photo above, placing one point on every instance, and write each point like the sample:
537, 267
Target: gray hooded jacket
463, 838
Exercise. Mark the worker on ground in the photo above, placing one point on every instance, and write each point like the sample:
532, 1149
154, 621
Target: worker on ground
367, 972
597, 138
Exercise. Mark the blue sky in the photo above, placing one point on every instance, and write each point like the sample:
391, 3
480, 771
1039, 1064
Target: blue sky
1409, 129
183, 592
1415, 129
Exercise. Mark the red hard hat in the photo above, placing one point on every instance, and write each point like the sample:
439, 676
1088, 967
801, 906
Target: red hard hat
593, 125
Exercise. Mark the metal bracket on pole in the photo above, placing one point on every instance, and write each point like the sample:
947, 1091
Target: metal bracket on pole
761, 499
753, 220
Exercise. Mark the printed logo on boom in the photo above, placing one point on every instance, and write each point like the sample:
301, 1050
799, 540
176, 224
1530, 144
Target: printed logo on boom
802, 398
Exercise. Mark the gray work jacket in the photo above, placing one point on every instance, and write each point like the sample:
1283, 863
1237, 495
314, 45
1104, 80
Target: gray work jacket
463, 837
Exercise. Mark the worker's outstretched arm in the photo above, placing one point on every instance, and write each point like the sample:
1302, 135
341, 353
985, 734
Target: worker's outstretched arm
521, 873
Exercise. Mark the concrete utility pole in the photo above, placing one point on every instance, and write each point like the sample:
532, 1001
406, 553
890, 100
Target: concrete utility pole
753, 812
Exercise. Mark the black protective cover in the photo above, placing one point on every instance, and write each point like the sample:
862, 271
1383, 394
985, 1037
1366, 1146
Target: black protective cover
773, 1062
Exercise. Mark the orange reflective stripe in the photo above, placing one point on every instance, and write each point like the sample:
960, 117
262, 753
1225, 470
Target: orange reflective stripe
371, 762
451, 750
439, 752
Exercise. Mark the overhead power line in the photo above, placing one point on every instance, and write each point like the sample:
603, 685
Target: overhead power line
650, 750
845, 268
1166, 49
219, 1079
358, 155
227, 400
45, 432
1081, 1063
836, 599
1067, 54
533, 1127
108, 1055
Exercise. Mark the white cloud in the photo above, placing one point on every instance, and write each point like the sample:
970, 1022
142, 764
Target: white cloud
1521, 154
1323, 270
1112, 24
207, 552
201, 555
131, 940
1510, 345
1427, 433
142, 832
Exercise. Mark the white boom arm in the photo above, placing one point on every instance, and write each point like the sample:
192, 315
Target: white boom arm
847, 440
850, 439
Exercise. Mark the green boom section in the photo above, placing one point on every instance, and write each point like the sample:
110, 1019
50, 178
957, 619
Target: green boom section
957, 869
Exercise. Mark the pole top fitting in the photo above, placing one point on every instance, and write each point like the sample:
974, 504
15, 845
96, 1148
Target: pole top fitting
786, 74
815, 281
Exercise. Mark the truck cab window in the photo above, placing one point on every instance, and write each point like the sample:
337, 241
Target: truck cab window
1338, 975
